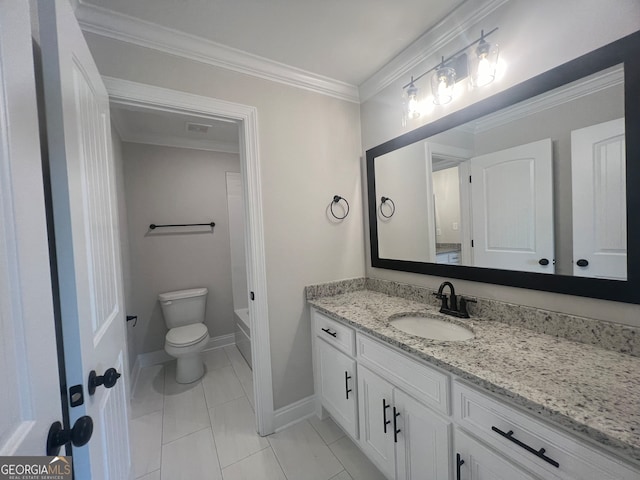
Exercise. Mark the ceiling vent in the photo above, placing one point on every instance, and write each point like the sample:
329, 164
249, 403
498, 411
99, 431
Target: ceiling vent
198, 127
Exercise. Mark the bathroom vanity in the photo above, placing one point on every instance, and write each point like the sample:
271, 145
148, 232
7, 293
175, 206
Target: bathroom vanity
510, 403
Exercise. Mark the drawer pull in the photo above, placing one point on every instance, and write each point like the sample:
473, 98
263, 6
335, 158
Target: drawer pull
347, 377
396, 430
537, 453
459, 463
329, 332
385, 422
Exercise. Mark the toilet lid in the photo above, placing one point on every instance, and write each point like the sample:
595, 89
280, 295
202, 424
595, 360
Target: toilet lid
186, 335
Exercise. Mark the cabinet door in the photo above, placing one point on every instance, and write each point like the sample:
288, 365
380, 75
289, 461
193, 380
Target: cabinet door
337, 383
423, 447
376, 420
480, 463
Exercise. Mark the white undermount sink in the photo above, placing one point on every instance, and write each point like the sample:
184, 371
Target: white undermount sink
432, 328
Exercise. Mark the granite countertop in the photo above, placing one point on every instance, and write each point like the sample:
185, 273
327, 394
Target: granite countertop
584, 388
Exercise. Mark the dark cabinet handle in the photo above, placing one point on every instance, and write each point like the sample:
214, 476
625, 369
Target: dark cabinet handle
385, 422
396, 430
459, 463
329, 332
347, 377
582, 262
537, 453
544, 262
79, 435
109, 379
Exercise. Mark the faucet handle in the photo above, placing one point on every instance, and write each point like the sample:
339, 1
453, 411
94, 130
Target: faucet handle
445, 302
464, 313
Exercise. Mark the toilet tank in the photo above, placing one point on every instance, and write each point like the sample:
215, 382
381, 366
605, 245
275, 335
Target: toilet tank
183, 307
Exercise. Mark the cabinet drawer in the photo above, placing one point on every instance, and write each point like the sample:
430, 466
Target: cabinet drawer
422, 382
334, 333
515, 434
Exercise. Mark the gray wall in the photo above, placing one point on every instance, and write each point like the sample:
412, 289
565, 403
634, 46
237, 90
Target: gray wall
534, 37
177, 185
310, 148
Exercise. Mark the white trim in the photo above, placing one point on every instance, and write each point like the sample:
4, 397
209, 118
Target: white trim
160, 356
123, 92
107, 23
609, 78
295, 412
454, 25
180, 142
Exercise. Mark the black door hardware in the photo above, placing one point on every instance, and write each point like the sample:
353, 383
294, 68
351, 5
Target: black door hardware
396, 430
385, 422
459, 463
347, 377
79, 435
76, 397
132, 318
537, 453
582, 262
544, 262
329, 332
252, 296
109, 379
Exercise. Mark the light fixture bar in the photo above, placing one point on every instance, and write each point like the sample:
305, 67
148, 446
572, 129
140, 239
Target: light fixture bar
449, 58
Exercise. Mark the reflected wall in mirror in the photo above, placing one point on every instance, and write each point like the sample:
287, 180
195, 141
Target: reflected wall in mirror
531, 180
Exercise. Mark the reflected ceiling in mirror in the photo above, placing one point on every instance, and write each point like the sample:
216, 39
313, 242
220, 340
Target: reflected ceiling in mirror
526, 188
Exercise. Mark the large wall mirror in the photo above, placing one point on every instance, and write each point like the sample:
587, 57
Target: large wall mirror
535, 187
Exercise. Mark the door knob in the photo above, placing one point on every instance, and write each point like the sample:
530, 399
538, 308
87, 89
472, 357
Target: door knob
544, 262
109, 379
79, 435
582, 262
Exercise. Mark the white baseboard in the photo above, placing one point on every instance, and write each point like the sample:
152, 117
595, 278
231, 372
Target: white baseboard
294, 413
160, 356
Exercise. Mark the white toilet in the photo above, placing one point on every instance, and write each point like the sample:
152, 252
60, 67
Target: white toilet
183, 312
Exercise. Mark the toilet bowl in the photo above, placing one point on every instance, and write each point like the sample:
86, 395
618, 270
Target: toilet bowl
183, 312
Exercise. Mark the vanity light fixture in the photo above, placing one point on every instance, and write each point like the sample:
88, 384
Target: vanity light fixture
481, 68
483, 63
413, 107
443, 82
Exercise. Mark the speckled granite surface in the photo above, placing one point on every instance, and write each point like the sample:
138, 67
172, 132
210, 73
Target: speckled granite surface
584, 388
610, 336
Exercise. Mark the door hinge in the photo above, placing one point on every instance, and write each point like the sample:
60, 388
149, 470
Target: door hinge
469, 178
252, 296
471, 243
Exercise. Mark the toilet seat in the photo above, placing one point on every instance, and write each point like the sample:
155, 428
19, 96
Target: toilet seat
187, 335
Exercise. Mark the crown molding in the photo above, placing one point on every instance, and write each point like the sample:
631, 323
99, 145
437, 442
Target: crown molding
107, 23
609, 78
454, 25
125, 134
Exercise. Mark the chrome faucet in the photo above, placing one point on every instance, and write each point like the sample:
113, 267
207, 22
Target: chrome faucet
451, 305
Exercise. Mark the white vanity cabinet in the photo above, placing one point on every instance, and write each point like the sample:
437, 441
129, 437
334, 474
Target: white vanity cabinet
335, 372
475, 461
415, 421
405, 438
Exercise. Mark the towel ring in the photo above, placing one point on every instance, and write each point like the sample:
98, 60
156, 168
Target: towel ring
384, 200
336, 199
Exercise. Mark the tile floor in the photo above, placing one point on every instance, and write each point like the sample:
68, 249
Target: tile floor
205, 430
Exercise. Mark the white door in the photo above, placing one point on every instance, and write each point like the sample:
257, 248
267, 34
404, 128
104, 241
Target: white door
30, 393
377, 420
422, 451
512, 205
482, 463
338, 386
86, 233
599, 201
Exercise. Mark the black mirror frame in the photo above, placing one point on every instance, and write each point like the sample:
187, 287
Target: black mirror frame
626, 51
